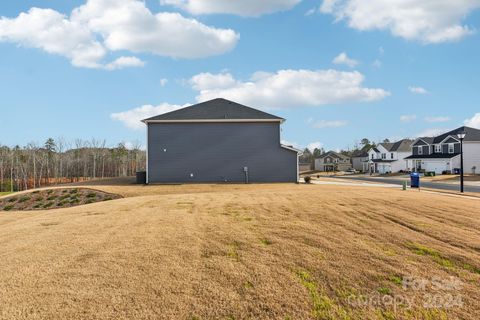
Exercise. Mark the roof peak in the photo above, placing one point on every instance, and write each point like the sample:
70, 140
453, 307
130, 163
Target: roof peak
216, 110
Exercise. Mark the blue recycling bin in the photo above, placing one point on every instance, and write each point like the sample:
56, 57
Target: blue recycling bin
415, 180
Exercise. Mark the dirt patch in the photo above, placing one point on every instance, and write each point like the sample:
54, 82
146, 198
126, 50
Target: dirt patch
54, 199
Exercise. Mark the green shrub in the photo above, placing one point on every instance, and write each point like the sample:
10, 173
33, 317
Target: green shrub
73, 191
49, 191
24, 199
52, 198
89, 201
64, 197
92, 195
36, 192
107, 198
61, 204
7, 208
74, 201
12, 200
47, 205
308, 179
64, 191
38, 206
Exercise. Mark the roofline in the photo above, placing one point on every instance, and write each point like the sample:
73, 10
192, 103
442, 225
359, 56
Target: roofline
415, 141
291, 149
146, 121
449, 136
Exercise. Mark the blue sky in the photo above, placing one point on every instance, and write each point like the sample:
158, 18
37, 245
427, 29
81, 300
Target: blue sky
401, 75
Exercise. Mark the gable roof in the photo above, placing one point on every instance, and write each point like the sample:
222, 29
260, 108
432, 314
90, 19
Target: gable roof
216, 110
402, 145
399, 146
472, 134
359, 154
333, 154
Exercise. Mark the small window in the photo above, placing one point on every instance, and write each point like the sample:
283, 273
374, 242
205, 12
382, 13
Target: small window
420, 150
384, 156
391, 155
373, 156
438, 148
451, 148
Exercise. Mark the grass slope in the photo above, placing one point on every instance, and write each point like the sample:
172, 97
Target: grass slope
239, 252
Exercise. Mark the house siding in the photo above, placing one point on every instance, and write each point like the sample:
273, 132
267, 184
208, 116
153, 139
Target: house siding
358, 163
471, 152
218, 152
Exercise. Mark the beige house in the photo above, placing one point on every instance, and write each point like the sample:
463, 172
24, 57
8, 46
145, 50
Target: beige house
332, 161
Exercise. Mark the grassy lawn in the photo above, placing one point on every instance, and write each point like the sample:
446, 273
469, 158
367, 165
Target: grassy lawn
4, 193
245, 252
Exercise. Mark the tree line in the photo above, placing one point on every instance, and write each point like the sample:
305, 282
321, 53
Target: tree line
59, 161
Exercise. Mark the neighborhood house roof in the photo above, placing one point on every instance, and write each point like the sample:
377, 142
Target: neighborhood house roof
333, 154
399, 146
471, 134
215, 110
359, 154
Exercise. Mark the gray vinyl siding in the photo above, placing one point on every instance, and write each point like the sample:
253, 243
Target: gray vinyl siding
445, 148
456, 147
425, 149
357, 162
218, 152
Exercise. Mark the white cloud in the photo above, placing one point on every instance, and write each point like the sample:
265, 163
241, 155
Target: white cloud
437, 119
246, 8
102, 26
432, 21
125, 62
343, 58
432, 132
208, 81
287, 88
321, 124
54, 33
314, 145
417, 90
408, 118
132, 118
474, 121
163, 82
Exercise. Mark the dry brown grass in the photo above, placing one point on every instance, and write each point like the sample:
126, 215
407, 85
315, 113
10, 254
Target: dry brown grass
238, 252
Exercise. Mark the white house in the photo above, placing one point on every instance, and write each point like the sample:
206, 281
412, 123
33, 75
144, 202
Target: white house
389, 157
441, 154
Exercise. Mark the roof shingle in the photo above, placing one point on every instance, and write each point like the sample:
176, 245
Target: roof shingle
217, 109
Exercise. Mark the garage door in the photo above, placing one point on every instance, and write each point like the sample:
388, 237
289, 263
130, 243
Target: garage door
438, 166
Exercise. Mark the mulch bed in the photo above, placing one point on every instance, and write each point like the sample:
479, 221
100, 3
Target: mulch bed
54, 199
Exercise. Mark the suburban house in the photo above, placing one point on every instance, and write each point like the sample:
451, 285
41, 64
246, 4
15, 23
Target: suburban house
441, 154
360, 160
332, 161
218, 141
389, 157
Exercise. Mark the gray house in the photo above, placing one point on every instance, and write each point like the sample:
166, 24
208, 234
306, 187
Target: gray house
218, 141
441, 154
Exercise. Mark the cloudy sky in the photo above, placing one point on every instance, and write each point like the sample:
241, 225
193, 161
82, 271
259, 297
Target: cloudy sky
337, 70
